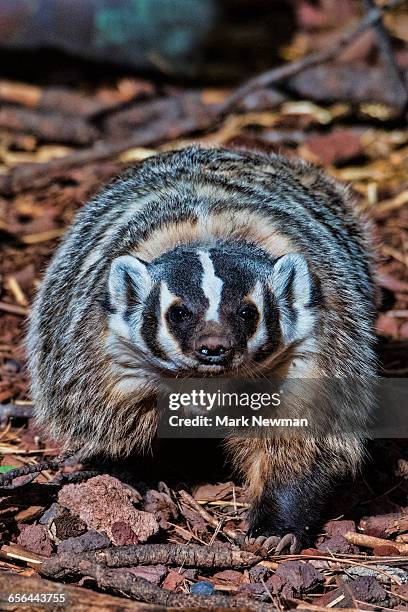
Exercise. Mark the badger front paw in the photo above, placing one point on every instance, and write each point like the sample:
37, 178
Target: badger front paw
289, 542
290, 514
275, 544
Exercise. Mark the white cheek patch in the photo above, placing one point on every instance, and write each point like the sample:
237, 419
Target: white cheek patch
261, 334
211, 285
166, 339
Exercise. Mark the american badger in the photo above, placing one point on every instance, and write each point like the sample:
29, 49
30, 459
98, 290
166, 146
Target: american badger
202, 262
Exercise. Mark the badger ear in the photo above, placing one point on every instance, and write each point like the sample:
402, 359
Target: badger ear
295, 290
129, 282
292, 280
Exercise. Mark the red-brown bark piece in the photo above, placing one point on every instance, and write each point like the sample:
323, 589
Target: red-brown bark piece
103, 501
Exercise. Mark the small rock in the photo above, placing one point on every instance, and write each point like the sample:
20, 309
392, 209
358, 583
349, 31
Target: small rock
262, 99
103, 501
52, 513
91, 540
256, 590
188, 574
202, 588
152, 573
36, 539
259, 573
197, 523
338, 544
293, 578
123, 534
162, 506
333, 528
211, 492
173, 581
336, 147
368, 589
381, 572
67, 526
230, 576
386, 551
309, 552
363, 588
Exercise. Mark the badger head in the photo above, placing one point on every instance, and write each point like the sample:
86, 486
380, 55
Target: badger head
202, 311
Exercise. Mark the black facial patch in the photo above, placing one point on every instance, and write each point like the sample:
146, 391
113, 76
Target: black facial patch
150, 323
184, 331
181, 270
239, 272
271, 315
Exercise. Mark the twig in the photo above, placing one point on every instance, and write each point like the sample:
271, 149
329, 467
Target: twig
16, 552
306, 606
139, 588
235, 535
361, 539
187, 555
282, 73
394, 74
25, 470
14, 309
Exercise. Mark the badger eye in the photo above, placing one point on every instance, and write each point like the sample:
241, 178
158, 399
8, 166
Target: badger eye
177, 314
248, 313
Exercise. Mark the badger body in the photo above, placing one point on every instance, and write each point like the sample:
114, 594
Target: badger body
206, 262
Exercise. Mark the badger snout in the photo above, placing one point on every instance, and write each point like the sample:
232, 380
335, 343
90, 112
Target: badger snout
215, 350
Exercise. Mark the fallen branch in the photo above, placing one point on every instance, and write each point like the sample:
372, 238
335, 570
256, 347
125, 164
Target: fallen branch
64, 100
233, 534
282, 73
49, 126
25, 470
192, 115
385, 525
187, 555
32, 176
367, 541
138, 588
69, 597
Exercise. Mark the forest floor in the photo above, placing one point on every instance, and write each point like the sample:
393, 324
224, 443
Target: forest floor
58, 146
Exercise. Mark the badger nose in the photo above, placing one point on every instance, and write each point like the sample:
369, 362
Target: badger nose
213, 349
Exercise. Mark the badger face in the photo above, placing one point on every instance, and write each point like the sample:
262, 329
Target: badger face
203, 311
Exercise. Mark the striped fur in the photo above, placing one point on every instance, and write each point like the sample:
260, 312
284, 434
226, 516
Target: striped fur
99, 347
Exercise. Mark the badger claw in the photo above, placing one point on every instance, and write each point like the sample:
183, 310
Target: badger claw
289, 540
269, 543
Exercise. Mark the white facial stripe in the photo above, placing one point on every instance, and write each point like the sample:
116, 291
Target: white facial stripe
211, 286
166, 339
261, 334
